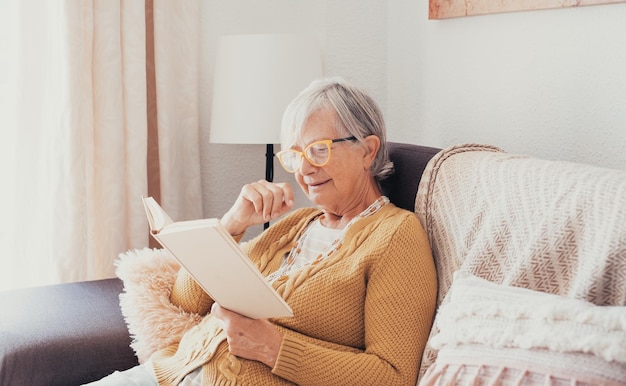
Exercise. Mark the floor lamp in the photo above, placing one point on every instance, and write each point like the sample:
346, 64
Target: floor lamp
256, 76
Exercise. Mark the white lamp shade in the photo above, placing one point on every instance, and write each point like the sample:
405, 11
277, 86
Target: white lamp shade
256, 76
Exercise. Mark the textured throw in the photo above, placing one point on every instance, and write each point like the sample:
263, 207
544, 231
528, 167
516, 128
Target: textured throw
482, 312
549, 226
495, 334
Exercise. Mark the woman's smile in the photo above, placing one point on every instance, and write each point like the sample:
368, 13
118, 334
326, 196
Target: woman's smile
317, 184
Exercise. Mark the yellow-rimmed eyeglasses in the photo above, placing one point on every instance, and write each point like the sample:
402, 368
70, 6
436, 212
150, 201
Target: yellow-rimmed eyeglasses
317, 153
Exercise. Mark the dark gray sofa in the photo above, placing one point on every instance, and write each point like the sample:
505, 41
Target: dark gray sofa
70, 334
65, 334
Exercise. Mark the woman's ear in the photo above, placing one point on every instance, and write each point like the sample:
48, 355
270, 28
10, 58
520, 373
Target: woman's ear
372, 143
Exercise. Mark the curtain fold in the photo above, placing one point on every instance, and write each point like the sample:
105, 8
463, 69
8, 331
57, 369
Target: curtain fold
177, 75
77, 130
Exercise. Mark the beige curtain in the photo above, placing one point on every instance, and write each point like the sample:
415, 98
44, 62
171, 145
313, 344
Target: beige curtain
92, 86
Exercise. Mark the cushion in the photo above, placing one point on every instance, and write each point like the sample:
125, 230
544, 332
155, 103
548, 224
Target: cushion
153, 321
493, 333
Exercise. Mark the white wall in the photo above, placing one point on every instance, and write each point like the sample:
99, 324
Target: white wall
546, 83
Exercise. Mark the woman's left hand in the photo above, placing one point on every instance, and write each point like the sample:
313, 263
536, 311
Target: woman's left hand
255, 339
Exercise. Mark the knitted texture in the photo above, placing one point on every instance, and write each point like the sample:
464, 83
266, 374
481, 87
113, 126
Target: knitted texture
494, 315
550, 226
494, 334
362, 316
474, 364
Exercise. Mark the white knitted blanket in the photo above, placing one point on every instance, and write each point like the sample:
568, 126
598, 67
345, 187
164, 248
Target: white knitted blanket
482, 312
549, 226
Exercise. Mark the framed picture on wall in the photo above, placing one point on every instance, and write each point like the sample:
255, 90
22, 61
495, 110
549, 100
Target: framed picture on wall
442, 9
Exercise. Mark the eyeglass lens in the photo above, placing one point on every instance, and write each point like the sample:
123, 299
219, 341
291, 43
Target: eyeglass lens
317, 153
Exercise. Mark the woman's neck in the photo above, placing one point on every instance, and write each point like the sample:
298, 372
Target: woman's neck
339, 221
333, 221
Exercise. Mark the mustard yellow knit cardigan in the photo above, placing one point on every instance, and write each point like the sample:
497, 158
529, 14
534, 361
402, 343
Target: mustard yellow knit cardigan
362, 316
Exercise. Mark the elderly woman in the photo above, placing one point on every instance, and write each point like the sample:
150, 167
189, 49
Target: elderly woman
356, 270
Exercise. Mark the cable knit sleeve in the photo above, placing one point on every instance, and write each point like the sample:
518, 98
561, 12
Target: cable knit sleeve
188, 295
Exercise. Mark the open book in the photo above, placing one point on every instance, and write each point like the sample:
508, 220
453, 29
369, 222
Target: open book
215, 260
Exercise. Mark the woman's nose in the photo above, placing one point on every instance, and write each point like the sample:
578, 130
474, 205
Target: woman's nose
306, 166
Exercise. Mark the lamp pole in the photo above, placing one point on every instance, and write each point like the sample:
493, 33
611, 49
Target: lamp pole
269, 169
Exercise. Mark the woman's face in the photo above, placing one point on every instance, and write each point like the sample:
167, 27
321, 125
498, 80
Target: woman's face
344, 184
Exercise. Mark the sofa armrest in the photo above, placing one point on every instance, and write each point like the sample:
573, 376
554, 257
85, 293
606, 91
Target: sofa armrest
64, 334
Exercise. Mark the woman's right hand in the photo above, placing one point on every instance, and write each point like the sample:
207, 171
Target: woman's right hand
258, 202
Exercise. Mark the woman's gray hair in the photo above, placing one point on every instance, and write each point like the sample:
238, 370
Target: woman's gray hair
357, 115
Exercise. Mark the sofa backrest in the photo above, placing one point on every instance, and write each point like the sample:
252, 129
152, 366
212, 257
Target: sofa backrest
409, 164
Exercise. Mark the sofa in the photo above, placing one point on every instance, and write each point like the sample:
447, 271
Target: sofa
531, 262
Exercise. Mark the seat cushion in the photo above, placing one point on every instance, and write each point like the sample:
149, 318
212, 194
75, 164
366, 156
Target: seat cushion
64, 334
